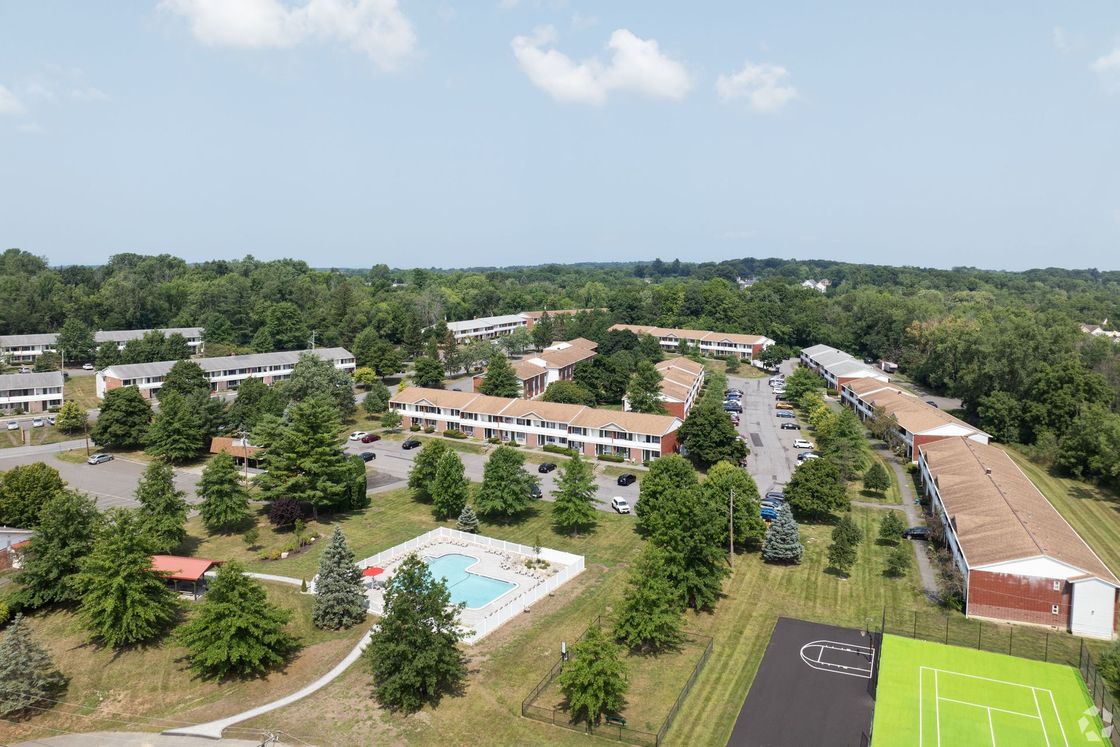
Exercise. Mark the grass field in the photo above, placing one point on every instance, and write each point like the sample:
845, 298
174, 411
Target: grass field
83, 390
930, 694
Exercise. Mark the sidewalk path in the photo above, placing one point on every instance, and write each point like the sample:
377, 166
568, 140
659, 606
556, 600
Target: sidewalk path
915, 518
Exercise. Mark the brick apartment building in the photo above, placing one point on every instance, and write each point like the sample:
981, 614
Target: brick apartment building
713, 344
555, 363
681, 382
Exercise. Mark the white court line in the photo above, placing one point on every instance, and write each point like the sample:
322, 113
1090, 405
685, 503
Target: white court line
1045, 733
921, 707
1057, 715
992, 708
937, 707
991, 727
825, 666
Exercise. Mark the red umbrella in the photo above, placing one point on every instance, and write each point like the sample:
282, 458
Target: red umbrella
373, 571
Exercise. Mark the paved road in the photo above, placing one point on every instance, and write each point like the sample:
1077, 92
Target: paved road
915, 517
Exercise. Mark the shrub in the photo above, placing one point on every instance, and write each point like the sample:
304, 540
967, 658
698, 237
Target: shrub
5, 612
493, 440
415, 428
452, 433
513, 444
292, 545
274, 555
618, 459
429, 429
557, 449
284, 512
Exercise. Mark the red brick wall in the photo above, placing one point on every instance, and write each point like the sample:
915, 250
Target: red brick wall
1005, 596
920, 441
675, 409
476, 383
669, 443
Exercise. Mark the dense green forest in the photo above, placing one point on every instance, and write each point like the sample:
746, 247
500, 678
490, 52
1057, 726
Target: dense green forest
1007, 343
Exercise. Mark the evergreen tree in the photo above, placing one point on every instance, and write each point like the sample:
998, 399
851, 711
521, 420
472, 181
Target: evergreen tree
506, 486
709, 436
594, 680
225, 501
842, 554
176, 433
876, 479
30, 680
500, 379
24, 490
71, 417
122, 422
414, 652
573, 508
236, 631
255, 399
376, 399
468, 522
162, 511
898, 561
644, 391
450, 488
427, 372
340, 600
667, 476
51, 561
816, 491
123, 600
783, 539
891, 527
847, 531
307, 462
422, 473
543, 332
724, 481
650, 618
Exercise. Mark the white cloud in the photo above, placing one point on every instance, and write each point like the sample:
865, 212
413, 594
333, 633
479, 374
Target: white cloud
765, 86
1060, 38
89, 94
9, 104
375, 27
1108, 69
636, 64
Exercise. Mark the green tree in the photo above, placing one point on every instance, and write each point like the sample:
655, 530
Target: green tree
123, 600
573, 508
177, 433
267, 431
67, 526
255, 399
644, 391
733, 364
500, 379
71, 417
847, 531
709, 436
391, 419
650, 619
108, 354
312, 376
876, 479
1001, 414
340, 601
667, 476
816, 491
467, 522
185, 378
783, 539
891, 527
898, 561
48, 361
414, 652
364, 377
842, 555
376, 399
163, 512
543, 332
31, 679
688, 528
24, 490
842, 442
236, 631
75, 341
724, 481
594, 680
801, 382
450, 488
284, 328
568, 392
123, 420
422, 473
225, 501
506, 486
427, 372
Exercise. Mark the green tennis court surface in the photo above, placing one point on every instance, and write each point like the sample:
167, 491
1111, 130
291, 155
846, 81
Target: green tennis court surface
930, 695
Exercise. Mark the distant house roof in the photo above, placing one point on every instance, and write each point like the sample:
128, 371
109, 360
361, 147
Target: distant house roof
698, 335
30, 380
236, 447
180, 568
124, 335
484, 321
226, 362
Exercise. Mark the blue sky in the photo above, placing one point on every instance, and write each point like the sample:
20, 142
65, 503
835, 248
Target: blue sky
492, 132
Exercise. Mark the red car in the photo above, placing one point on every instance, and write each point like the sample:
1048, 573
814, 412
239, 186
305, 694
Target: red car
370, 438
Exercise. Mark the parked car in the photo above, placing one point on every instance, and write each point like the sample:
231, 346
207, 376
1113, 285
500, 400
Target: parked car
13, 425
807, 455
931, 403
38, 423
370, 438
545, 468
784, 414
410, 443
801, 443
51, 420
779, 391
99, 458
367, 456
916, 533
358, 435
775, 496
535, 492
734, 418
768, 512
87, 366
791, 426
627, 479
732, 406
734, 390
784, 406
620, 505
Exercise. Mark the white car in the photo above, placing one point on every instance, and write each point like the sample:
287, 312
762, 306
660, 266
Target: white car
357, 435
802, 444
620, 505
87, 366
37, 423
779, 392
13, 425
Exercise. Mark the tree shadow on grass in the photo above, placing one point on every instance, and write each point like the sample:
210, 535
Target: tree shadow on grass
837, 573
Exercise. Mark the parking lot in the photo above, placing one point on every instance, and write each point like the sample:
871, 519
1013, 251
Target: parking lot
773, 457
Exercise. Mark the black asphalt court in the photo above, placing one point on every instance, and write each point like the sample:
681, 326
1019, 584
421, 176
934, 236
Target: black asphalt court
814, 687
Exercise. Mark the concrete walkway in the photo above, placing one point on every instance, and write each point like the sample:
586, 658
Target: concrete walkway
915, 517
137, 739
214, 729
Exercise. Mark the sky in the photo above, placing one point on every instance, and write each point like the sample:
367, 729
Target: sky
450, 133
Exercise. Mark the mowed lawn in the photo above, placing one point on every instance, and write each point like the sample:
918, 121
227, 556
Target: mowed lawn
934, 694
83, 390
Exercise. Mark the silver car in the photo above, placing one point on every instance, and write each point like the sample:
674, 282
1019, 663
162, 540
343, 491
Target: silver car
99, 458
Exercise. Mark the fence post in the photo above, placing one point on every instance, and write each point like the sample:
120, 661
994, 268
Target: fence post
946, 630
1010, 638
1046, 648
915, 623
979, 633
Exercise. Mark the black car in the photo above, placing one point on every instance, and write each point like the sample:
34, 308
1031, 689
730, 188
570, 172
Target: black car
535, 492
791, 427
931, 403
627, 479
916, 533
545, 468
367, 456
410, 443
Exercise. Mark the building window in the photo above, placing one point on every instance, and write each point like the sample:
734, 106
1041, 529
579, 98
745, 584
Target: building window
1057, 586
1053, 609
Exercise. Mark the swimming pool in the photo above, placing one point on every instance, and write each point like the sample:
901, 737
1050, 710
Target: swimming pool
468, 588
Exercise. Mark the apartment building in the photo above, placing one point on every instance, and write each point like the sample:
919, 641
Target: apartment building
837, 367
30, 392
681, 382
225, 373
633, 436
493, 327
26, 348
555, 363
1020, 560
714, 344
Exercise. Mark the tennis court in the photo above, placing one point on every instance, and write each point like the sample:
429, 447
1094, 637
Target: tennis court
930, 694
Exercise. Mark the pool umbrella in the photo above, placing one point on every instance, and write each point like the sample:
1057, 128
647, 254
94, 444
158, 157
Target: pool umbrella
372, 571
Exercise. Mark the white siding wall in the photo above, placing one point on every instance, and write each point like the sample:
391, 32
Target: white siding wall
1094, 604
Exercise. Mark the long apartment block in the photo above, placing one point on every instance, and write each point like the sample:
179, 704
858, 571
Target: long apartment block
26, 348
30, 392
714, 344
837, 367
636, 437
493, 327
225, 373
681, 382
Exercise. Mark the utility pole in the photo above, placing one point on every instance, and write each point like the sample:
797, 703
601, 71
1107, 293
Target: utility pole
312, 341
731, 527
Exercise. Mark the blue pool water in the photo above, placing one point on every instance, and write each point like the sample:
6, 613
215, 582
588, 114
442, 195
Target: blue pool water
468, 588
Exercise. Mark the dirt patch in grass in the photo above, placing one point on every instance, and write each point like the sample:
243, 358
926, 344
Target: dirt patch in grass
83, 390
